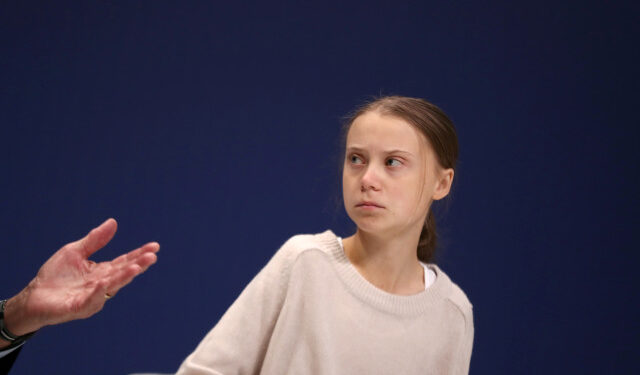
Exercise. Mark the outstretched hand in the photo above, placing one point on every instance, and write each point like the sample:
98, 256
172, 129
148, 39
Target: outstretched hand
69, 286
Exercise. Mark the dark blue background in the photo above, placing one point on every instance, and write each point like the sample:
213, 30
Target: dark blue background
213, 129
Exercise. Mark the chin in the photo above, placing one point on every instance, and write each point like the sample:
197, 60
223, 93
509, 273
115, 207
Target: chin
369, 224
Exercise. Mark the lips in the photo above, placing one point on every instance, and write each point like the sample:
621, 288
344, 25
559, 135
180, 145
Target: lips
369, 203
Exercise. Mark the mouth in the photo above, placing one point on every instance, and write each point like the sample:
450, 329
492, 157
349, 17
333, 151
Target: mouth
369, 204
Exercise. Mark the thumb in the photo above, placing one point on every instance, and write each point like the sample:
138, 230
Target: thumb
97, 238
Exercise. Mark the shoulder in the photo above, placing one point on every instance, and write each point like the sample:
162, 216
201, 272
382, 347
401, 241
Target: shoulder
292, 251
297, 245
455, 296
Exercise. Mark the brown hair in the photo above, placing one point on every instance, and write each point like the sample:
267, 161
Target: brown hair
440, 133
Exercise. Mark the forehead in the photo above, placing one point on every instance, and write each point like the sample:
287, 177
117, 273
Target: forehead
382, 132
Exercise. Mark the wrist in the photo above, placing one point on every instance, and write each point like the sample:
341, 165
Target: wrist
17, 318
8, 338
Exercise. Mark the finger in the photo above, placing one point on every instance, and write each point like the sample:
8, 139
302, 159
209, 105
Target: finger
97, 238
146, 260
151, 247
125, 273
121, 278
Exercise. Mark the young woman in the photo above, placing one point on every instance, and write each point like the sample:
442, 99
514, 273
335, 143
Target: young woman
370, 303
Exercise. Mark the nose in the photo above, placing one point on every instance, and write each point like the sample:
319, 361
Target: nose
370, 179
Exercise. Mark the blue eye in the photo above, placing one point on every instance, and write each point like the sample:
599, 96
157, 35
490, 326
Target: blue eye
396, 160
352, 157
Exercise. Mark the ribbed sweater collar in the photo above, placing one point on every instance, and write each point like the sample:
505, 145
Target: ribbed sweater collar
411, 305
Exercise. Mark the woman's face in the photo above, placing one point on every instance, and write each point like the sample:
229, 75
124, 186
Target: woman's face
391, 165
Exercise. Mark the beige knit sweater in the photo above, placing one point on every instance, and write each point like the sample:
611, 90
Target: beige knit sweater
308, 311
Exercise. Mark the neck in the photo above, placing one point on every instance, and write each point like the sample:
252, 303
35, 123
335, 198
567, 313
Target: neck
390, 263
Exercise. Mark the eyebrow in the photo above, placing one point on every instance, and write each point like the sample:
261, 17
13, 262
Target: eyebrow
394, 151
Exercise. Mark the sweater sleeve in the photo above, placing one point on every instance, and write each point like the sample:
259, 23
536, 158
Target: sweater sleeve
238, 343
463, 355
467, 345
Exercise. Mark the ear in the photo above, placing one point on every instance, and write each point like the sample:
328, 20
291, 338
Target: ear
443, 184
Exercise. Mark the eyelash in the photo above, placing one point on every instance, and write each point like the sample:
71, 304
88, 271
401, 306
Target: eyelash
356, 156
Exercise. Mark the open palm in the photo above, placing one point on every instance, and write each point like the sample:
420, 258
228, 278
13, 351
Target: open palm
70, 286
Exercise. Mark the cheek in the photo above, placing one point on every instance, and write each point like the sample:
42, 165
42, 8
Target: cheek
410, 194
347, 188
